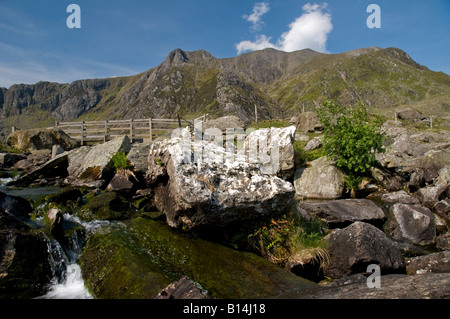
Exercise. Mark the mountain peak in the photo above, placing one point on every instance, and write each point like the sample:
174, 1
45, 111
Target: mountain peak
176, 57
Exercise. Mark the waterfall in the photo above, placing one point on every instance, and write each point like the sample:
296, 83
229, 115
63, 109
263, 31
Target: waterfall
67, 282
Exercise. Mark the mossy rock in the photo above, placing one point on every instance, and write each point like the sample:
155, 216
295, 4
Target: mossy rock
113, 267
125, 261
108, 205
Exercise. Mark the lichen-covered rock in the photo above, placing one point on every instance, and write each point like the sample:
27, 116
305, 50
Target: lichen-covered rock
437, 263
218, 189
321, 180
274, 149
413, 223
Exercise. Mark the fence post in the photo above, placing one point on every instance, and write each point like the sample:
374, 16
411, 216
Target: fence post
13, 129
82, 133
56, 125
150, 128
106, 131
131, 130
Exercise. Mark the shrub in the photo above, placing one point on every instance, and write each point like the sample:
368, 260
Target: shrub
120, 161
290, 237
351, 138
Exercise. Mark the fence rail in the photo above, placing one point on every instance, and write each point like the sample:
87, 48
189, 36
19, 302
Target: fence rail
136, 129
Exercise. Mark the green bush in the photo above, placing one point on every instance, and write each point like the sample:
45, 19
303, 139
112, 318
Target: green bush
120, 161
351, 137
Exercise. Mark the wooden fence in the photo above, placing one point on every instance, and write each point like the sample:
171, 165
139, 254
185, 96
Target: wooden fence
89, 132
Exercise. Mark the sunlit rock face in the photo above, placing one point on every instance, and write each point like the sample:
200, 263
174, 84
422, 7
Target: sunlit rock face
200, 184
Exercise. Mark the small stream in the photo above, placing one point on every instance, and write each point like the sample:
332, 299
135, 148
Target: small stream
67, 281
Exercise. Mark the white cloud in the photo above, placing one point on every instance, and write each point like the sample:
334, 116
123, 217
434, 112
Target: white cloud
310, 30
259, 9
261, 42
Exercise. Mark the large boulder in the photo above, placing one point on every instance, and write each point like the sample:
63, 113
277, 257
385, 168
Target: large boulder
309, 122
25, 271
274, 149
214, 190
411, 115
412, 223
140, 257
92, 165
341, 213
38, 139
55, 167
322, 180
354, 248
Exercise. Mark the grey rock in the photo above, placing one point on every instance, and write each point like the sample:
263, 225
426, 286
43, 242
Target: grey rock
399, 197
436, 263
123, 180
322, 180
215, 191
224, 122
413, 223
56, 150
443, 241
181, 289
341, 213
8, 160
36, 139
393, 286
390, 182
25, 271
138, 156
411, 115
37, 170
313, 144
309, 122
92, 165
355, 247
274, 148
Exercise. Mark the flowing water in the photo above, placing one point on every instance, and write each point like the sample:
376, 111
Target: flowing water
68, 282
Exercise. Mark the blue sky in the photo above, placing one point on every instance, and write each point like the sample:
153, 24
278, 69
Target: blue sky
120, 38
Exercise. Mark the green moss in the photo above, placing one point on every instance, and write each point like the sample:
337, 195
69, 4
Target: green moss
113, 267
122, 259
224, 272
108, 205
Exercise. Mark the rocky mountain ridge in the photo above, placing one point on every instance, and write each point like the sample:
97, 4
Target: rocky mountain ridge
193, 83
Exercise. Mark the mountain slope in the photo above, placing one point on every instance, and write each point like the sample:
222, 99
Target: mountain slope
193, 83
